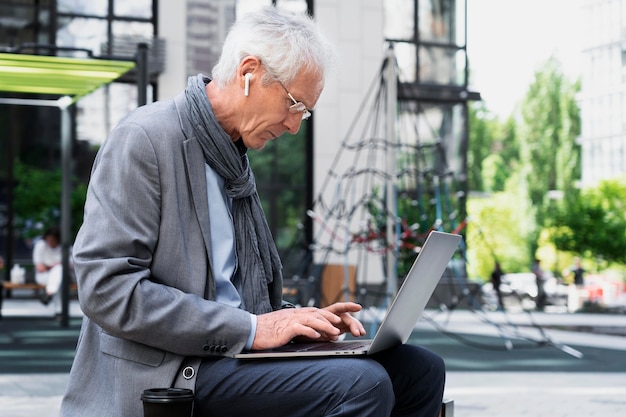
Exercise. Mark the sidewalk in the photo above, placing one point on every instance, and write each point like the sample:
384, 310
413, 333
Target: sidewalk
537, 394
33, 394
535, 378
556, 383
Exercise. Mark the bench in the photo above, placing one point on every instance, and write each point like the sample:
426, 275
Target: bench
447, 408
29, 281
36, 288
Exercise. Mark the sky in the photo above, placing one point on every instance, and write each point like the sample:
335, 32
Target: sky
508, 40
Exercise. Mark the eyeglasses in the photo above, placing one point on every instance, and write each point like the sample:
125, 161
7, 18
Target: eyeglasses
297, 106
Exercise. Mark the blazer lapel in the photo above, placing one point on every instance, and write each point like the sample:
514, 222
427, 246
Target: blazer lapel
196, 178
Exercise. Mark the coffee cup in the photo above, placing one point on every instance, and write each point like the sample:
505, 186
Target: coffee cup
167, 402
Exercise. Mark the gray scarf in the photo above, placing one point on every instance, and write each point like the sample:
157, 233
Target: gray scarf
260, 269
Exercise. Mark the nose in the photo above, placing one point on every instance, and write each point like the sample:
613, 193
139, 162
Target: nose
293, 122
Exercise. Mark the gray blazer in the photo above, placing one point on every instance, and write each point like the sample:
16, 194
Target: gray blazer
143, 269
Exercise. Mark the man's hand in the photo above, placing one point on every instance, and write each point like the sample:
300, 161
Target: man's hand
348, 322
279, 327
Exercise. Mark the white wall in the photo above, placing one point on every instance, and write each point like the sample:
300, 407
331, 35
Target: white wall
172, 24
355, 27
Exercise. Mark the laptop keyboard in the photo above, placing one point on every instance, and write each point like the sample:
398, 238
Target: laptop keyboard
328, 346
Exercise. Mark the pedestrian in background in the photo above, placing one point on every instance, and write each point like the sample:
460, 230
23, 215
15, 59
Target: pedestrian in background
540, 278
578, 271
496, 281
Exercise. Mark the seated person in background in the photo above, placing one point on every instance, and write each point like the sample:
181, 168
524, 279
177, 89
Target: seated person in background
47, 256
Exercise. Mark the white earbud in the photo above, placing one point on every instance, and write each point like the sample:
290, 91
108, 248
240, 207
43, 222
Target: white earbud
246, 86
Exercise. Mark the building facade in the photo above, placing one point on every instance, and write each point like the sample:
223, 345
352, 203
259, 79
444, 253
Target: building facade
184, 38
603, 95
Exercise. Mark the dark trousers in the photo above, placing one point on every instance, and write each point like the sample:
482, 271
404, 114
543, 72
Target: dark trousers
404, 381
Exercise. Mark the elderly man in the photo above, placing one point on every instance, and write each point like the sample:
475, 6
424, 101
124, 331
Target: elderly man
177, 269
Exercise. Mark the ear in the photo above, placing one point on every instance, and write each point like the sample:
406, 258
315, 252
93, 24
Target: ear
248, 65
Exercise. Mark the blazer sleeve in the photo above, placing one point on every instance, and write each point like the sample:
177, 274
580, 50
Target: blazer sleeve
122, 286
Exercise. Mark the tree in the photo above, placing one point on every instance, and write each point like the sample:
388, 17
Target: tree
518, 162
494, 173
493, 151
550, 125
279, 171
479, 144
498, 231
37, 200
592, 222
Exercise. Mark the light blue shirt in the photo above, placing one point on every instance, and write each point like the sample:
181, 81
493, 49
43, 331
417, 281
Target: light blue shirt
223, 248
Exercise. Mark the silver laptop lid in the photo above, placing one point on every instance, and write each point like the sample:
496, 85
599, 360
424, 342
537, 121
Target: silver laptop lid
416, 290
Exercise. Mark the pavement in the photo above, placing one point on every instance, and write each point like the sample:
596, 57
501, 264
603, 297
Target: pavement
517, 364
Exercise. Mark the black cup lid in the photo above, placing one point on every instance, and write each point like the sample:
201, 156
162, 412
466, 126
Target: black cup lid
167, 394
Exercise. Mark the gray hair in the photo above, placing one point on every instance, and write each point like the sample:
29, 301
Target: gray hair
284, 42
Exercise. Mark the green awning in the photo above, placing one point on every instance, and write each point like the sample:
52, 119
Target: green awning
57, 76
59, 82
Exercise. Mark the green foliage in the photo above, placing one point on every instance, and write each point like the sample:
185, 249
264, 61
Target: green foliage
549, 128
479, 144
415, 224
592, 222
37, 200
494, 173
280, 166
498, 230
493, 151
520, 161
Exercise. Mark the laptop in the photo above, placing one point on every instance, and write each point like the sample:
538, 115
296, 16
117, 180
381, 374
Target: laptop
401, 317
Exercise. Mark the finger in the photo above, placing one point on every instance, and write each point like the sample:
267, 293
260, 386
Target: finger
321, 321
323, 326
347, 307
352, 307
354, 325
308, 332
356, 328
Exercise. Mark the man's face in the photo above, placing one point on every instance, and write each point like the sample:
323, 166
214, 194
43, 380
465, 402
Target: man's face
267, 113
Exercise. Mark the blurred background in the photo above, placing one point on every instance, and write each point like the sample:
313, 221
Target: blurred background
503, 121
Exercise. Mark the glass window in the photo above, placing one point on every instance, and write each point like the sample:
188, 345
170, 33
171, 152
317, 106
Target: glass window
84, 7
437, 65
281, 182
460, 64
245, 6
399, 20
43, 35
135, 8
82, 32
296, 6
16, 25
624, 64
406, 56
435, 22
127, 35
459, 23
133, 29
101, 110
